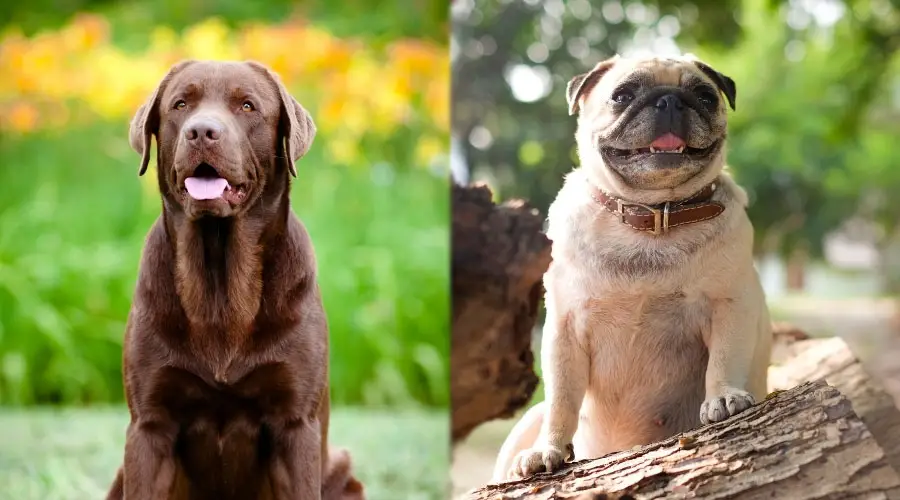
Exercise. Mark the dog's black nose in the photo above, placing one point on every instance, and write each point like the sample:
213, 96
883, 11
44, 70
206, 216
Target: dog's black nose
206, 129
670, 102
670, 115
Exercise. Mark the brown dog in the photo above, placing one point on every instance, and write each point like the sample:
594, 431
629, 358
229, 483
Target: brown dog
226, 349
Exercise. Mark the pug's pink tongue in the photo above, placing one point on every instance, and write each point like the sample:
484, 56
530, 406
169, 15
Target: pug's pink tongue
205, 188
668, 142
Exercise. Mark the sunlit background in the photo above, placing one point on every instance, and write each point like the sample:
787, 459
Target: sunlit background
74, 214
814, 139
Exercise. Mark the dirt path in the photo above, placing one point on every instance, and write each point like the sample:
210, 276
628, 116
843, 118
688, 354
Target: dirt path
870, 327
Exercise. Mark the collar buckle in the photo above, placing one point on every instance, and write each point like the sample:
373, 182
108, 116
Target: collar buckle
660, 216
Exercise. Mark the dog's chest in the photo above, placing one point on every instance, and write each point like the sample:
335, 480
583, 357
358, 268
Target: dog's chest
266, 393
647, 362
220, 363
618, 326
226, 430
621, 254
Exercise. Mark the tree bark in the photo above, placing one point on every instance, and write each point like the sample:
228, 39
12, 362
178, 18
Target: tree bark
795, 269
803, 443
889, 261
830, 359
500, 254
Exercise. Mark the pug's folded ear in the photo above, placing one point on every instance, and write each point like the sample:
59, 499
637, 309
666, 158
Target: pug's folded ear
724, 83
578, 87
296, 126
145, 123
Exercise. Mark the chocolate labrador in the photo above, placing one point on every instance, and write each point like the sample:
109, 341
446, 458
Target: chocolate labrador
226, 349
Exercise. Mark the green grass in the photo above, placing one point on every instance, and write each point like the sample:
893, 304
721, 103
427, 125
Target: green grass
73, 454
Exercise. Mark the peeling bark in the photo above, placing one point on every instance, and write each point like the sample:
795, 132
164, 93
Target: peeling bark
500, 254
803, 443
832, 360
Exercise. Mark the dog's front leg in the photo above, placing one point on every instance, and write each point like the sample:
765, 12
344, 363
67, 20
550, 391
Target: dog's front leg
734, 342
297, 466
149, 470
566, 365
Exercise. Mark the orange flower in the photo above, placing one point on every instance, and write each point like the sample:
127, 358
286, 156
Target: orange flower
85, 32
22, 117
356, 91
437, 101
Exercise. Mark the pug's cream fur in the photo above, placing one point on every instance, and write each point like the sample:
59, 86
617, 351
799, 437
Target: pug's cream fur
645, 335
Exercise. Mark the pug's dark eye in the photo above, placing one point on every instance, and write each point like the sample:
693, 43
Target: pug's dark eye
247, 106
706, 98
623, 96
180, 104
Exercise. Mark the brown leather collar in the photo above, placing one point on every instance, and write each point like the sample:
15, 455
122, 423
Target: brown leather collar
660, 218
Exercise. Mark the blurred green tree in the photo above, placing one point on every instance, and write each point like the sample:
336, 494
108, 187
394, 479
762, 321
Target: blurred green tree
411, 18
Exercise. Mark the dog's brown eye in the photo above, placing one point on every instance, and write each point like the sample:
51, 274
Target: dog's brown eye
180, 104
706, 98
623, 96
247, 106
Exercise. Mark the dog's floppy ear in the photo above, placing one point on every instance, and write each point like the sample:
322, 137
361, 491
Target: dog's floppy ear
296, 125
724, 83
145, 122
581, 84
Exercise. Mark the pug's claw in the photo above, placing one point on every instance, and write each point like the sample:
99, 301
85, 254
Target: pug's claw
720, 407
539, 459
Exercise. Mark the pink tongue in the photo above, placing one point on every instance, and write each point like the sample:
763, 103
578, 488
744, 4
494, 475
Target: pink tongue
668, 142
205, 188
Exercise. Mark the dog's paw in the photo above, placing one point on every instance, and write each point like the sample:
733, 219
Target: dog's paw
728, 404
338, 482
534, 460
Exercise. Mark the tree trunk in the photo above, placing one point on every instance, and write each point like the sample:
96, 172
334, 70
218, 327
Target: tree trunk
889, 265
500, 254
795, 269
830, 359
806, 442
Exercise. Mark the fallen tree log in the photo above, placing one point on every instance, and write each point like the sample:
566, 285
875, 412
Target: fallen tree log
802, 443
830, 359
500, 254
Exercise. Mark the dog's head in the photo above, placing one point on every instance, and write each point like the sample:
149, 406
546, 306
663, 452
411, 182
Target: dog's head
651, 124
225, 131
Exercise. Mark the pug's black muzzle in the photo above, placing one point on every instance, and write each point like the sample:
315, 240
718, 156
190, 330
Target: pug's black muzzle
671, 105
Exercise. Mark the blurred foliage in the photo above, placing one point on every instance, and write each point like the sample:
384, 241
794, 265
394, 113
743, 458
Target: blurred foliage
51, 78
73, 215
817, 99
383, 20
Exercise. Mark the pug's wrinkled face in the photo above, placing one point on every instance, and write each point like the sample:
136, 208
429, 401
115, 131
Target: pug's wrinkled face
655, 123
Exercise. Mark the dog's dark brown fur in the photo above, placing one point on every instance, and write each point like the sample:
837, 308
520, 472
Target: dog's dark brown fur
226, 349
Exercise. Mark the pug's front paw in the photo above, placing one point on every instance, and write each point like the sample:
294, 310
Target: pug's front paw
539, 459
727, 404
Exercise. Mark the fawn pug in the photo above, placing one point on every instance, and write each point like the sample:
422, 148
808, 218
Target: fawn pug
656, 319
